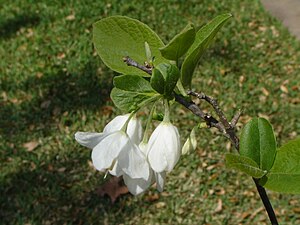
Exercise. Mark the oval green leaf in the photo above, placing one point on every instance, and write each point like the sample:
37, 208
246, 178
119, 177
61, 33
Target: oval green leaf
203, 39
130, 101
132, 83
119, 36
178, 46
258, 143
131, 92
164, 78
284, 176
245, 165
157, 81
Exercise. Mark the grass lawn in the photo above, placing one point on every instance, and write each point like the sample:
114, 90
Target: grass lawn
52, 84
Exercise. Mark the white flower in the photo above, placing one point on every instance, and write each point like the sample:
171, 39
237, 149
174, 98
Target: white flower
164, 147
134, 129
91, 139
139, 185
115, 150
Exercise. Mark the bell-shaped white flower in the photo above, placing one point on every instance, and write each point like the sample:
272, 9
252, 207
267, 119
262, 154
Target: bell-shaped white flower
91, 139
164, 147
137, 186
159, 178
116, 150
134, 128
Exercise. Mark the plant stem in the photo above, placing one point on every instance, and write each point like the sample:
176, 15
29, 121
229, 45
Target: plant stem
167, 111
265, 199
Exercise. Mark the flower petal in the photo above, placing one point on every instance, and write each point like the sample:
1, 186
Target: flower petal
157, 159
164, 147
144, 148
116, 124
104, 154
160, 180
173, 148
116, 170
137, 186
89, 139
134, 163
135, 130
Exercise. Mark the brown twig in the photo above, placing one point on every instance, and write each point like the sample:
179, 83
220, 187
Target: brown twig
214, 103
210, 120
229, 128
236, 118
131, 62
225, 127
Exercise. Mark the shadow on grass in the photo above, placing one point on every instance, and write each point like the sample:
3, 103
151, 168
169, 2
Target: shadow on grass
35, 187
9, 27
54, 95
46, 195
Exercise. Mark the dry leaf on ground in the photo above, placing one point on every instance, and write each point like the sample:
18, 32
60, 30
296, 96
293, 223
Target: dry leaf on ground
114, 188
30, 146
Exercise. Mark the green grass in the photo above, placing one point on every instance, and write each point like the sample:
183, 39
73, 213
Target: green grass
52, 84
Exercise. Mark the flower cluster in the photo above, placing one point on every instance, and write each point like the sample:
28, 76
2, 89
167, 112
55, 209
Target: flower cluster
119, 150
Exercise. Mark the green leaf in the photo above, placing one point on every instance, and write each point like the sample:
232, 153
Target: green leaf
131, 92
258, 143
119, 36
148, 53
244, 164
129, 101
133, 83
203, 39
157, 81
179, 44
285, 174
164, 79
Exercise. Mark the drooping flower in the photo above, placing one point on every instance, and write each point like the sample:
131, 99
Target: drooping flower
91, 139
159, 178
115, 150
139, 185
164, 147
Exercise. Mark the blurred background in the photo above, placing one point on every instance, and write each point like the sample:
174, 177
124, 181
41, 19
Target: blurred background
52, 84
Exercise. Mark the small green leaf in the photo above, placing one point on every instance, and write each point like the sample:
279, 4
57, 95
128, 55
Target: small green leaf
157, 81
129, 101
158, 116
164, 79
203, 39
119, 36
132, 83
284, 176
244, 164
179, 44
131, 92
258, 143
148, 53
